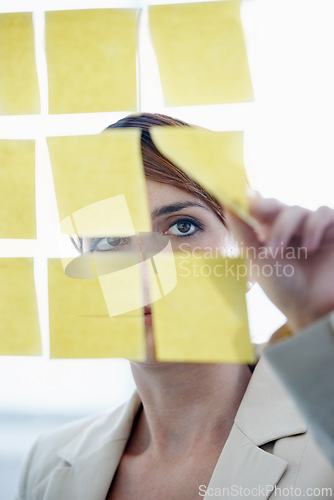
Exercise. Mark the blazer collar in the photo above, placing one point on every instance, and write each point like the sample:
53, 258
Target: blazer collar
90, 464
108, 429
266, 414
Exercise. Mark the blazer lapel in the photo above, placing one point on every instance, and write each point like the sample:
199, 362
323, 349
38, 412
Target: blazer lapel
244, 470
89, 466
266, 414
86, 480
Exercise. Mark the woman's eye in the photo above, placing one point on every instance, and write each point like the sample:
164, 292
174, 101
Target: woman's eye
107, 244
182, 228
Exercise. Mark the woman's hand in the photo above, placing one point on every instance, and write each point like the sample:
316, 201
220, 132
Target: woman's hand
291, 255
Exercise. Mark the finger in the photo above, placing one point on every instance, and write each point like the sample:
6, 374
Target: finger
319, 225
265, 210
244, 234
288, 224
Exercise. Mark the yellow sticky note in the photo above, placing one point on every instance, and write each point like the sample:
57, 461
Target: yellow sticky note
201, 53
204, 318
91, 58
121, 288
100, 183
80, 326
213, 159
124, 275
105, 218
19, 330
17, 181
19, 92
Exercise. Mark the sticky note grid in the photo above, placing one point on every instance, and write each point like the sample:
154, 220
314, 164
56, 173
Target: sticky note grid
91, 59
92, 55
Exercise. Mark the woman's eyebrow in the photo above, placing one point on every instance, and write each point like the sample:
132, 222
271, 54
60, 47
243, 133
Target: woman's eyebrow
175, 207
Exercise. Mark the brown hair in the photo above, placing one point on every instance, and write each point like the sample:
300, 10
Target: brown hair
156, 166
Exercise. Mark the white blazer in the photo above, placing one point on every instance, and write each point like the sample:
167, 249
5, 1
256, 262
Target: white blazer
268, 451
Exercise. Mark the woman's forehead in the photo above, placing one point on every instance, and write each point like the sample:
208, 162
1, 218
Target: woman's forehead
160, 194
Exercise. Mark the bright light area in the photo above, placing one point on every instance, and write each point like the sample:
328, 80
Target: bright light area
289, 134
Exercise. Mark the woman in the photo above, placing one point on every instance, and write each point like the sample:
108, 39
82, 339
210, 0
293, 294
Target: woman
200, 430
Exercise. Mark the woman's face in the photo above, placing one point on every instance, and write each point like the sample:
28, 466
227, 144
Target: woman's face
187, 220
189, 223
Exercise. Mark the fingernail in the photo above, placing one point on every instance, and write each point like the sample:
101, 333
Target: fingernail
251, 193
